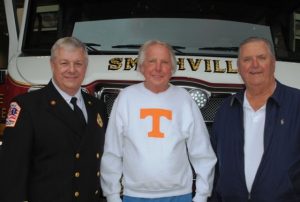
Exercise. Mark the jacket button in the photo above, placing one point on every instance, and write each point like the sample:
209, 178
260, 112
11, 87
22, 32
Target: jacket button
77, 174
97, 155
76, 194
96, 192
98, 174
77, 155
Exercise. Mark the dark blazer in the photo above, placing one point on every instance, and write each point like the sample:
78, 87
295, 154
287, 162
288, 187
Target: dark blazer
45, 157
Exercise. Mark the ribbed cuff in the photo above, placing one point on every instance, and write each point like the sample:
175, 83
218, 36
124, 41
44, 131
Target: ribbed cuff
199, 198
114, 198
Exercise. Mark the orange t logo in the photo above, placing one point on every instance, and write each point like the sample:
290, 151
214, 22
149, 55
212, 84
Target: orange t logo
156, 114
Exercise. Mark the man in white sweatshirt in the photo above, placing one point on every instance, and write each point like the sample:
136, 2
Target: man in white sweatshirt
155, 133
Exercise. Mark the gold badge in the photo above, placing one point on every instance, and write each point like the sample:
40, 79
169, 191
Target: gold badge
99, 120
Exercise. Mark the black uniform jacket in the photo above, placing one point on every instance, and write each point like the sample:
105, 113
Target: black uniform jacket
46, 157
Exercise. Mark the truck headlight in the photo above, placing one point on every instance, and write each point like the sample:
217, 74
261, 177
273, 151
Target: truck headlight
199, 96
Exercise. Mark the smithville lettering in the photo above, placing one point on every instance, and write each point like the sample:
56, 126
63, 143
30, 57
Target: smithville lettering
208, 65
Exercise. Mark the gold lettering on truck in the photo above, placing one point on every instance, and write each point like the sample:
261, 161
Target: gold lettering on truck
194, 64
130, 64
230, 68
207, 65
217, 67
115, 63
180, 63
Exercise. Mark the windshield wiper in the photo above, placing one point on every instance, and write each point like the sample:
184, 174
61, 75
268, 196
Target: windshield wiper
176, 49
137, 46
129, 46
235, 49
91, 49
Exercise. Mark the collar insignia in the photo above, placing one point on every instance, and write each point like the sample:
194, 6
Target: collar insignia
53, 102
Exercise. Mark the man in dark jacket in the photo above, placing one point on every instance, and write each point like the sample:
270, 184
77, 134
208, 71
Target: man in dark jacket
49, 154
256, 133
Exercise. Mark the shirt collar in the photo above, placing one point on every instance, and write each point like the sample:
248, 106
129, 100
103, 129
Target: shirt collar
66, 96
275, 97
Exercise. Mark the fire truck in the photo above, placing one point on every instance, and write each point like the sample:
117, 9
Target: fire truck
205, 46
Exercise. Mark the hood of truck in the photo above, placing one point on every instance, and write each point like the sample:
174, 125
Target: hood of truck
214, 70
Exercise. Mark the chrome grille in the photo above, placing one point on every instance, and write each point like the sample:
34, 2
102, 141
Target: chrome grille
211, 108
109, 101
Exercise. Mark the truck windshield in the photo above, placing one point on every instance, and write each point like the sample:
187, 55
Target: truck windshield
120, 27
193, 36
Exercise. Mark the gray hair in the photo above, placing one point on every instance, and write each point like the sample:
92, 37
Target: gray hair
68, 42
146, 45
257, 39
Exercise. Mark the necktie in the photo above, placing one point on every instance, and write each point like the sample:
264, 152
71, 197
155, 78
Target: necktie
78, 112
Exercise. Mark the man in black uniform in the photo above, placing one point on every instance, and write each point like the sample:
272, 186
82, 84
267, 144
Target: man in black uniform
49, 154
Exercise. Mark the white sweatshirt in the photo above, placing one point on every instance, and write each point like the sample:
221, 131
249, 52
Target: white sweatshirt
150, 139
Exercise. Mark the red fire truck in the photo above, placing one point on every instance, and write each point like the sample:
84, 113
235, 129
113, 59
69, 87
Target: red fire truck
205, 45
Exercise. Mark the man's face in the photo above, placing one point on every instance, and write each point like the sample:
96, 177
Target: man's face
68, 67
256, 65
157, 68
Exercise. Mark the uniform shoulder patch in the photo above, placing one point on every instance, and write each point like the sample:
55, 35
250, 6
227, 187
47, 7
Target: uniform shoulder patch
13, 114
